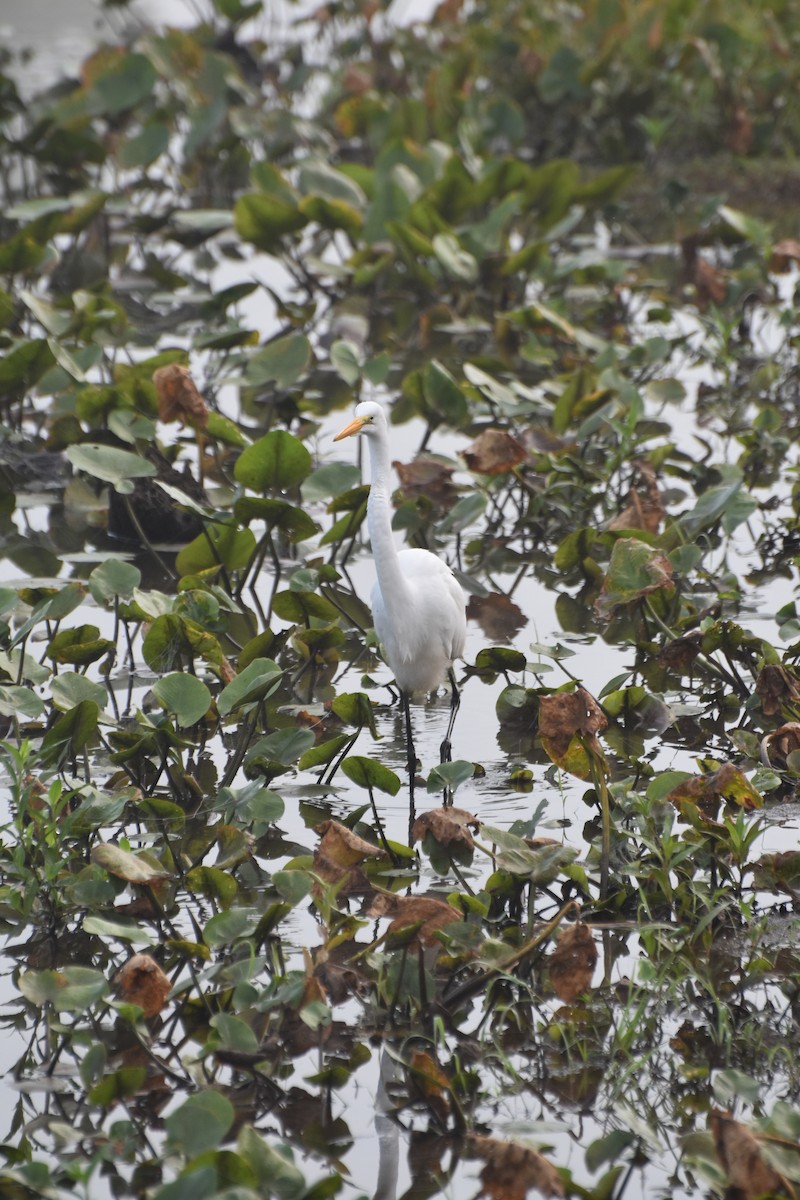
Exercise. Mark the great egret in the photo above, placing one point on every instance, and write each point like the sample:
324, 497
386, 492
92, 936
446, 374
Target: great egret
417, 604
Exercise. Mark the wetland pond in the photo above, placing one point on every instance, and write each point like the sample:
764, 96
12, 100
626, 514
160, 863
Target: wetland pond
237, 962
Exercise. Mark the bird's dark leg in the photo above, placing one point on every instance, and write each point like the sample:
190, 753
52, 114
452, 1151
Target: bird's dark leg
446, 749
411, 756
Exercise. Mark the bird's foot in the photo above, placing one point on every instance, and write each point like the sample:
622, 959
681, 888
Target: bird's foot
446, 751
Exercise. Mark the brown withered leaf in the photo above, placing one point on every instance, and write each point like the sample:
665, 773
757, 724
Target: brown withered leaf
643, 509
572, 963
429, 1079
344, 848
784, 253
776, 686
178, 397
226, 671
494, 452
498, 616
427, 476
706, 792
421, 916
339, 980
710, 284
778, 872
511, 1169
141, 981
740, 134
337, 857
779, 744
296, 1036
566, 713
447, 826
739, 1153
679, 654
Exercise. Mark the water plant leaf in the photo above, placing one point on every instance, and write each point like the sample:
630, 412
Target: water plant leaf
68, 689
79, 646
540, 862
17, 701
276, 462
274, 1171
257, 681
450, 775
200, 1124
110, 463
184, 695
265, 220
114, 578
133, 868
282, 362
71, 733
635, 570
365, 772
73, 989
221, 544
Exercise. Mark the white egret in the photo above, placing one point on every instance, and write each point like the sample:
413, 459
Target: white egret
417, 604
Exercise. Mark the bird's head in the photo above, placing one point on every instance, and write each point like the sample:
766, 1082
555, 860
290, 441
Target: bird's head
369, 419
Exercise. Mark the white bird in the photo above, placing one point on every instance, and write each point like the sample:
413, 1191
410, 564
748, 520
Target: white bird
417, 604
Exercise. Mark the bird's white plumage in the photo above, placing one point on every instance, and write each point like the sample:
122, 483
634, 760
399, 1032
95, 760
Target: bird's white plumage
417, 603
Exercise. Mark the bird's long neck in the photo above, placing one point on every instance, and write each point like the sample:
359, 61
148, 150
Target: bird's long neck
392, 582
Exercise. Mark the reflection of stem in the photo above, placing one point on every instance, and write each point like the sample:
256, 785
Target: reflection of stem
478, 983
144, 538
600, 786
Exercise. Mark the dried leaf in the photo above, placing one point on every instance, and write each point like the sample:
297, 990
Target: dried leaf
779, 744
431, 1081
429, 477
571, 965
710, 284
498, 616
643, 509
776, 686
511, 1169
447, 826
494, 452
226, 671
679, 654
707, 791
337, 856
344, 848
739, 1153
141, 981
740, 136
568, 726
420, 914
779, 872
784, 253
178, 397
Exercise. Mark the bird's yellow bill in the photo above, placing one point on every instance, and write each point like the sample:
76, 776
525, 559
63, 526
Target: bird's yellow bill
351, 429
